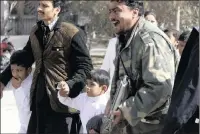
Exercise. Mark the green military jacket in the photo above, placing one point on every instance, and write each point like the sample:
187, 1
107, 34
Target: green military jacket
152, 61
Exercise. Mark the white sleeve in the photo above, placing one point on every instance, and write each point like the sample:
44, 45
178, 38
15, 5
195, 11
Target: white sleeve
107, 58
8, 86
75, 103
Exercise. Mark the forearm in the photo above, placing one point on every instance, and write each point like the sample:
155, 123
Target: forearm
143, 103
5, 76
81, 65
65, 100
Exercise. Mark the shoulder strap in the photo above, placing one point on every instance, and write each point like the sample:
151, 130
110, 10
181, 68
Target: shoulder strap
128, 74
133, 34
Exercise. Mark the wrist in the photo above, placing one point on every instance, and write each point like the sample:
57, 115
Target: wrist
122, 115
63, 93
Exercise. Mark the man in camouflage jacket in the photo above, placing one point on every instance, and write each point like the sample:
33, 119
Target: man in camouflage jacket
150, 61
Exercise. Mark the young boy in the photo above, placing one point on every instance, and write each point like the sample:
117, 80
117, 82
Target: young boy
93, 101
20, 84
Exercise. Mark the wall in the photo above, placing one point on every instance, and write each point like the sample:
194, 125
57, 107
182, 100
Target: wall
97, 53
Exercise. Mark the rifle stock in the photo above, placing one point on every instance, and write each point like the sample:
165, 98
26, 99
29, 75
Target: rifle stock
120, 95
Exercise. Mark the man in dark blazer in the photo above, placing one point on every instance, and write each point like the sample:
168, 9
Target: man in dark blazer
60, 54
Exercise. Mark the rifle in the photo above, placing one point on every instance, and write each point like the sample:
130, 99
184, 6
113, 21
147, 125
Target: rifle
120, 96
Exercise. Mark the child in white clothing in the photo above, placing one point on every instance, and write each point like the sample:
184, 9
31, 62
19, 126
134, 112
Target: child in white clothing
21, 84
93, 101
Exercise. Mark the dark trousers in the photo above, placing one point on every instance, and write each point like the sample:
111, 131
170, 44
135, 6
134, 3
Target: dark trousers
124, 128
44, 120
76, 124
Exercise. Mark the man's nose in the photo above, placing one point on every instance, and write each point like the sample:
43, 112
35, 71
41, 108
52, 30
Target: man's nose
111, 16
14, 73
39, 9
87, 88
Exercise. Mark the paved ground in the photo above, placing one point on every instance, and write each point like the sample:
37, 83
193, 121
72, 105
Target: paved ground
9, 114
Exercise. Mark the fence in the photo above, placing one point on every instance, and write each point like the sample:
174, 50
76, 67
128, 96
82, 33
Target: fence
19, 27
97, 52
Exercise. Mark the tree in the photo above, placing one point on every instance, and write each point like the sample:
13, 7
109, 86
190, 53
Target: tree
97, 13
166, 12
8, 7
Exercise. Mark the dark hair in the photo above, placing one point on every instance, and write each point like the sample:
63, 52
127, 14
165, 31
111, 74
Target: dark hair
171, 32
149, 13
100, 76
59, 3
133, 4
184, 36
21, 58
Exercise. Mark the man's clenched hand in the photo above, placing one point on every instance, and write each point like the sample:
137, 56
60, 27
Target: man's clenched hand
63, 89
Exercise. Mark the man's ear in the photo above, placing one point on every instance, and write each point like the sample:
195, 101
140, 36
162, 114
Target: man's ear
105, 88
58, 9
135, 12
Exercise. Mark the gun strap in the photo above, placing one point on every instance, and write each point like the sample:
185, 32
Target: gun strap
133, 34
127, 73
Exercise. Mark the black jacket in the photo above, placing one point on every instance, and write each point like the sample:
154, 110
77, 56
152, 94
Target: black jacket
183, 105
61, 56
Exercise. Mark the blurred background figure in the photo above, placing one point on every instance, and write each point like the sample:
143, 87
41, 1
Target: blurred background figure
151, 16
6, 50
173, 35
182, 40
7, 46
109, 60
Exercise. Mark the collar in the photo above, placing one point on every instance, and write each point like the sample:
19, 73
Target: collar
123, 38
97, 98
52, 24
26, 82
126, 35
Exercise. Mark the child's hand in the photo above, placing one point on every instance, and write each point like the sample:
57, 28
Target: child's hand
16, 82
63, 89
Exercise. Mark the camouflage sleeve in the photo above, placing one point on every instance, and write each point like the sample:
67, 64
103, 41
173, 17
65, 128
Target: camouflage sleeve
157, 69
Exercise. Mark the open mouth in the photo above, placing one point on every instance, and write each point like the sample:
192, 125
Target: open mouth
17, 78
40, 13
115, 23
